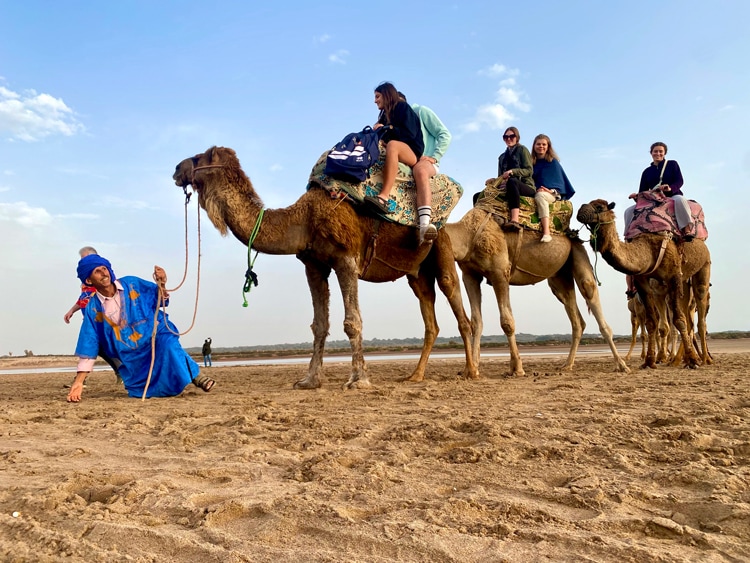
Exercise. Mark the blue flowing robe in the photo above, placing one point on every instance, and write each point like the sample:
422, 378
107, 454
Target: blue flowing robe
130, 342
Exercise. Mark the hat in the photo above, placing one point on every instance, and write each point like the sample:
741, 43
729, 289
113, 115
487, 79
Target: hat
88, 264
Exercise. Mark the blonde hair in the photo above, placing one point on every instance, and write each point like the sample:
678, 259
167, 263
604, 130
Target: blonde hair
551, 154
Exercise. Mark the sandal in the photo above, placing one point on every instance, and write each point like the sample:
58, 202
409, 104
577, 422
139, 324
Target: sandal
204, 382
378, 203
511, 226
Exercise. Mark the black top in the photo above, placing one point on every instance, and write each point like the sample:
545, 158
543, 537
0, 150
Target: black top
404, 126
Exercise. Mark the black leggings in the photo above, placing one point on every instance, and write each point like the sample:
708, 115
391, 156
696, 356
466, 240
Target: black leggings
514, 189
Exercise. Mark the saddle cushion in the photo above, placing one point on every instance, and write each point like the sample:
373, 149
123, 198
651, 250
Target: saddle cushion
403, 203
654, 213
492, 199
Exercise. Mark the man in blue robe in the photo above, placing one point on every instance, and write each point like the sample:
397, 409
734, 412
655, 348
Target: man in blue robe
119, 319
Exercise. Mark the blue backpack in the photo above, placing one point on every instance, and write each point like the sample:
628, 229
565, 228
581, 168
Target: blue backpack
350, 160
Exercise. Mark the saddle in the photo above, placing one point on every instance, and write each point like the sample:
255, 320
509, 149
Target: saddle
654, 213
492, 199
403, 204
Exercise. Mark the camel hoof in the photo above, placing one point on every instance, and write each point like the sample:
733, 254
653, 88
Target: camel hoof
307, 384
471, 374
413, 378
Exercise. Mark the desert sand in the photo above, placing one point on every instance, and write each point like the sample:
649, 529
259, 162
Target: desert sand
566, 467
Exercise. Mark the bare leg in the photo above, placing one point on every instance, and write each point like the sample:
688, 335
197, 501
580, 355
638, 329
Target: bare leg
395, 152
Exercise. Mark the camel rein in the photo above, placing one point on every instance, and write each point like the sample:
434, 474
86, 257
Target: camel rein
161, 302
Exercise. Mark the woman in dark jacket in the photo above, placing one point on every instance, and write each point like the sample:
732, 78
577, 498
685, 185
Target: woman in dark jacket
515, 167
402, 138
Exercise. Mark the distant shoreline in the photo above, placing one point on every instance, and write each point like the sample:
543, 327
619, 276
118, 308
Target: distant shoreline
717, 346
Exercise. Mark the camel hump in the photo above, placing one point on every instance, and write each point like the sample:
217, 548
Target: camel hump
654, 213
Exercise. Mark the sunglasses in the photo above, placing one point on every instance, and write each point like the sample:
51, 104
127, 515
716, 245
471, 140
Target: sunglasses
509, 137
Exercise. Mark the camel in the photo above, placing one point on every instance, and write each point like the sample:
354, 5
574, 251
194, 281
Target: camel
637, 321
483, 250
326, 234
656, 255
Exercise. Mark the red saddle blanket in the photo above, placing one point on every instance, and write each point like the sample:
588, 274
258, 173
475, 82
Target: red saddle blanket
654, 213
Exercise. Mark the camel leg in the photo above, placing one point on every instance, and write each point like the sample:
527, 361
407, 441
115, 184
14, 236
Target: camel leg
633, 328
652, 316
317, 280
700, 284
562, 287
500, 278
583, 274
346, 273
473, 286
448, 282
676, 300
423, 287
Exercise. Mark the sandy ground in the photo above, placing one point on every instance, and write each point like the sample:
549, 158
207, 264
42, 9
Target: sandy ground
563, 467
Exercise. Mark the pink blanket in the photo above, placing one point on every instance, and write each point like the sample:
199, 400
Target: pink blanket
654, 213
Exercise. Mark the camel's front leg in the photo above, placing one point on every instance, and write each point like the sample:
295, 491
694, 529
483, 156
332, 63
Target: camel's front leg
652, 315
583, 274
423, 287
317, 280
679, 319
447, 279
563, 288
346, 272
500, 279
473, 285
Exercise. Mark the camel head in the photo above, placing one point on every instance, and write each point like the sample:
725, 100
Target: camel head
218, 179
591, 213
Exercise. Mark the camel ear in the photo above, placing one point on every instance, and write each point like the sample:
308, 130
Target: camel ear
611, 206
210, 154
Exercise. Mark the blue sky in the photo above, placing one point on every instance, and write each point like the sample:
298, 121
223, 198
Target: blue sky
99, 102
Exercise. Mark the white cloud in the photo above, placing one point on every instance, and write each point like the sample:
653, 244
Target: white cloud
322, 38
23, 214
276, 168
339, 57
4, 189
728, 107
31, 116
508, 97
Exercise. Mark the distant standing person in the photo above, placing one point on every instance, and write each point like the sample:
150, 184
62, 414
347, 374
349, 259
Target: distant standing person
207, 353
550, 179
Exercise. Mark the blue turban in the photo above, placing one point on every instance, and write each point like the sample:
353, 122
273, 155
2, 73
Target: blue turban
88, 264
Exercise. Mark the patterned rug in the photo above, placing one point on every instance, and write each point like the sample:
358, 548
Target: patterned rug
492, 199
403, 203
654, 213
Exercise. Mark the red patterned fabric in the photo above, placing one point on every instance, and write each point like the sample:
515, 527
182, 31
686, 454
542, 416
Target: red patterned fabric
654, 213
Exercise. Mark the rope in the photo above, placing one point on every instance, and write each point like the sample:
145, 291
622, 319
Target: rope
164, 294
251, 278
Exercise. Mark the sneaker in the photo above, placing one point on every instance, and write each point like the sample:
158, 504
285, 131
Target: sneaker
546, 238
427, 233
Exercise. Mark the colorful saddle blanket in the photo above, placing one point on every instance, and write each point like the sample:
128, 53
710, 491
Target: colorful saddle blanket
492, 199
654, 213
403, 204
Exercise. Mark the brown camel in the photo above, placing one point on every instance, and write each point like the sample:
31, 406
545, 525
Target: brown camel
656, 255
483, 250
637, 321
326, 234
